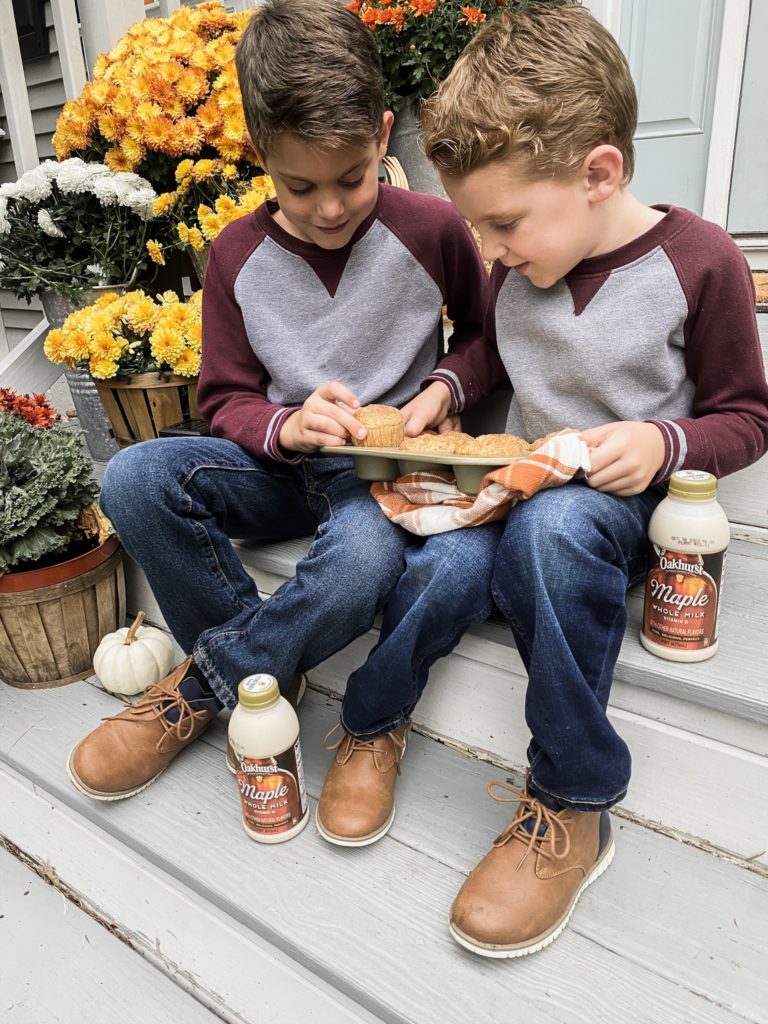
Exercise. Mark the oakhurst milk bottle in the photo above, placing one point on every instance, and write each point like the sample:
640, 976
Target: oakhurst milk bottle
264, 736
689, 535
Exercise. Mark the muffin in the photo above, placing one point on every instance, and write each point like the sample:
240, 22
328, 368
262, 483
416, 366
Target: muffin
495, 446
384, 425
439, 444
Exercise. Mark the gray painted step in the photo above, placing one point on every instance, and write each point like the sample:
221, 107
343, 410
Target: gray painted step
58, 966
732, 681
669, 934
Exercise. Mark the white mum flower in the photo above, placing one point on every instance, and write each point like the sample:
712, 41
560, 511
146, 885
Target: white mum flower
5, 224
47, 225
10, 190
142, 201
106, 190
50, 168
96, 269
75, 175
34, 186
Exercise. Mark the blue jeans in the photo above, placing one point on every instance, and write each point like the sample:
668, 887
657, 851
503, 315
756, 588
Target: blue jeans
562, 571
177, 502
445, 588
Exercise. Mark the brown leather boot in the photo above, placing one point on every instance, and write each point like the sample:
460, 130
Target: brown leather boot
520, 896
128, 751
294, 696
357, 805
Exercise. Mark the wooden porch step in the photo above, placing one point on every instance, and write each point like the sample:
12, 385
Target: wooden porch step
308, 932
705, 725
59, 966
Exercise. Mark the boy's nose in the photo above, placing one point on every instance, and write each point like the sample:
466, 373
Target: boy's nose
330, 208
491, 250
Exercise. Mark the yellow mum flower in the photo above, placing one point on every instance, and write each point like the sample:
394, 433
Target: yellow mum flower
203, 169
229, 171
133, 150
195, 301
53, 346
111, 127
166, 345
105, 345
164, 202
76, 346
183, 232
184, 170
225, 205
168, 298
103, 369
195, 333
211, 226
141, 314
187, 364
116, 160
195, 239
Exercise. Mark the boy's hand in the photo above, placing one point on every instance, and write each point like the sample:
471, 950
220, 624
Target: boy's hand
325, 418
428, 409
625, 456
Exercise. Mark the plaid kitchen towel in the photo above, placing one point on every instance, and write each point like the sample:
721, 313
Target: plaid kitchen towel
430, 502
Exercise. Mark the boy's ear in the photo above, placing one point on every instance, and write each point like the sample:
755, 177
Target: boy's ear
386, 127
257, 154
603, 170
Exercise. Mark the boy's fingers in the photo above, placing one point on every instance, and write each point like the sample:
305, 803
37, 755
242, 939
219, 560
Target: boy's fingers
335, 391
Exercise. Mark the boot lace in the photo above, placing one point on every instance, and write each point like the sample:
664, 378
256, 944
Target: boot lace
346, 745
155, 703
534, 823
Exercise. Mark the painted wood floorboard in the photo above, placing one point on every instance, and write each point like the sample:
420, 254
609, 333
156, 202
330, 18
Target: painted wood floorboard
669, 934
59, 966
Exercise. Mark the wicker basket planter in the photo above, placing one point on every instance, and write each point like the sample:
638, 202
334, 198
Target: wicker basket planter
140, 405
52, 619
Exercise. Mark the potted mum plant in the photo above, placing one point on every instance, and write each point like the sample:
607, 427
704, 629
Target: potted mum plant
166, 90
209, 194
68, 227
418, 42
61, 575
143, 354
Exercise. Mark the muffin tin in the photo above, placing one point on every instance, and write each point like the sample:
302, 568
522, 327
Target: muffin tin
390, 463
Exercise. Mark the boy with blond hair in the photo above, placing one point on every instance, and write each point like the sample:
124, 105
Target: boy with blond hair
635, 324
324, 300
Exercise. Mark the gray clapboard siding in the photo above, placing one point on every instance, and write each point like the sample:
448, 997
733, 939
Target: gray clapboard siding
46, 97
669, 933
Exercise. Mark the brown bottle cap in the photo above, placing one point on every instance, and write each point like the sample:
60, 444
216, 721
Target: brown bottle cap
693, 485
258, 691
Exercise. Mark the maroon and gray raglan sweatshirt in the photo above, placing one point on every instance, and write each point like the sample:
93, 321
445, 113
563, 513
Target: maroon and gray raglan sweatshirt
662, 329
282, 316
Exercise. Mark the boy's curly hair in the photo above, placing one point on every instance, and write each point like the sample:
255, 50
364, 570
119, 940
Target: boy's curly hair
309, 68
546, 83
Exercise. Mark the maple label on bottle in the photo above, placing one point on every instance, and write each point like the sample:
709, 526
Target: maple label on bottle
272, 792
682, 598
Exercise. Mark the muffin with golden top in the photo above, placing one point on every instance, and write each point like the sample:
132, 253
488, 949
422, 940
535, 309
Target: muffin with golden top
497, 446
384, 425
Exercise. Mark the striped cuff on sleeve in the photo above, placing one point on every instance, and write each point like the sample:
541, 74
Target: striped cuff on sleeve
458, 399
675, 447
272, 448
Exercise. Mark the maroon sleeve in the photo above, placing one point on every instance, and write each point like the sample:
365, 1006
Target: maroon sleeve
728, 429
441, 241
232, 388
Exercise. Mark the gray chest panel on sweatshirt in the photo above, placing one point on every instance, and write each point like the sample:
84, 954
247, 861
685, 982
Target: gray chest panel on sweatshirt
620, 359
378, 334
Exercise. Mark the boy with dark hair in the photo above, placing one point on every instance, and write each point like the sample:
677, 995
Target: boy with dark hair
327, 299
635, 324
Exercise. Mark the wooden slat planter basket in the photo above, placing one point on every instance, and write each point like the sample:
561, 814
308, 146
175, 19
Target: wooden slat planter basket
140, 405
52, 619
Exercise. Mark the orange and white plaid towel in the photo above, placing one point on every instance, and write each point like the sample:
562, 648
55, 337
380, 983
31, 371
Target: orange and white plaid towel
430, 502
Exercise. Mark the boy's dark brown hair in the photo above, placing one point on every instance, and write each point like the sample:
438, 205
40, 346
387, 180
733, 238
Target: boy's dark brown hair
310, 69
546, 84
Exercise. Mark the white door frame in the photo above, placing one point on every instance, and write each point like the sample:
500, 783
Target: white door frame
725, 114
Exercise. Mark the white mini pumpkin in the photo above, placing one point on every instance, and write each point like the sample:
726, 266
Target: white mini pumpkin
133, 658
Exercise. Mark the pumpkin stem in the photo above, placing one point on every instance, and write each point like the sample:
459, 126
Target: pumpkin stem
131, 634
